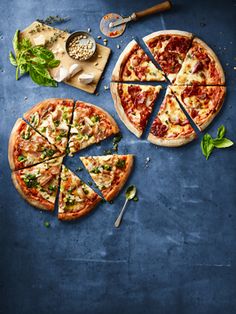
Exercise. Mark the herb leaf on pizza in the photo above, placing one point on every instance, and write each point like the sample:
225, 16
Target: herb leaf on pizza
109, 172
201, 66
27, 147
134, 104
171, 126
38, 184
76, 198
201, 102
90, 125
169, 48
135, 65
52, 118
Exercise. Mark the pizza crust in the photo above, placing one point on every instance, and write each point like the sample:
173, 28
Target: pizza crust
11, 144
166, 32
114, 192
120, 109
116, 74
43, 204
75, 215
171, 142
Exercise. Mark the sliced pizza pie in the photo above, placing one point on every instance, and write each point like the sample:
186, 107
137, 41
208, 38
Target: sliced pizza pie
171, 126
135, 65
201, 66
38, 184
76, 199
169, 48
27, 147
109, 172
134, 104
51, 118
90, 125
201, 102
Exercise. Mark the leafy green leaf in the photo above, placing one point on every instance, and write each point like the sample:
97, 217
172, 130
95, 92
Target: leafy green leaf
53, 63
40, 79
12, 59
15, 42
222, 142
207, 145
38, 61
221, 131
42, 52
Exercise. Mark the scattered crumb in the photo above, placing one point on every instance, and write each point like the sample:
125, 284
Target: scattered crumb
47, 224
99, 37
234, 68
89, 29
99, 56
96, 63
25, 98
147, 162
105, 43
106, 87
105, 40
118, 46
97, 94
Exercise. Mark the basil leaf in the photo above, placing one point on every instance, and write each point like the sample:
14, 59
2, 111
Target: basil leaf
207, 145
25, 44
15, 42
222, 142
53, 63
41, 70
12, 59
39, 79
42, 52
38, 61
221, 131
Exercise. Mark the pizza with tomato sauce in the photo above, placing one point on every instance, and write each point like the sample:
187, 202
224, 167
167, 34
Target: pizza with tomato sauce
201, 102
76, 199
135, 65
134, 104
169, 48
90, 125
171, 126
109, 172
201, 66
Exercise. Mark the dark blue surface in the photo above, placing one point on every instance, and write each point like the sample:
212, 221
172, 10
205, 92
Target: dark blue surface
175, 251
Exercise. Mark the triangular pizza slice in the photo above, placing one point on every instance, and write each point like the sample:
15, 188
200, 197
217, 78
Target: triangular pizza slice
171, 126
201, 102
52, 118
134, 104
27, 147
76, 199
109, 172
38, 184
135, 65
90, 125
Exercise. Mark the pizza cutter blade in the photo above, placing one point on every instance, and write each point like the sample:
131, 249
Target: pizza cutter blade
114, 31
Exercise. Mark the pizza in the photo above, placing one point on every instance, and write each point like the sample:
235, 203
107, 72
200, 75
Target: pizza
52, 118
76, 199
38, 184
201, 102
201, 66
27, 147
109, 172
134, 104
171, 126
90, 125
135, 65
169, 48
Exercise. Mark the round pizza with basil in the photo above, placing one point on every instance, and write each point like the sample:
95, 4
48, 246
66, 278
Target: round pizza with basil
90, 125
134, 104
135, 65
109, 172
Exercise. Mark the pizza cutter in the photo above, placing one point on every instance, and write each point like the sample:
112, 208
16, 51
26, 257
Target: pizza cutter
113, 25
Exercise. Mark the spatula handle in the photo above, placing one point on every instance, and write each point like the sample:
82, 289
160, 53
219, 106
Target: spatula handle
163, 6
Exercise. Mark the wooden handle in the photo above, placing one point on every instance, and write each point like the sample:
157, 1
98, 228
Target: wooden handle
164, 6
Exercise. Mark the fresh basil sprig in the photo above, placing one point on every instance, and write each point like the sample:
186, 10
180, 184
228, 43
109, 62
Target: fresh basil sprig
208, 143
35, 60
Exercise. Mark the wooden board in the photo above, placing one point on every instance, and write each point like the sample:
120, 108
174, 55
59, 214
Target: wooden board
56, 39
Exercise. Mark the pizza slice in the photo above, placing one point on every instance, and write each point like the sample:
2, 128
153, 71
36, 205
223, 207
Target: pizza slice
169, 48
76, 199
51, 118
90, 125
201, 67
201, 102
135, 65
38, 184
27, 147
134, 104
171, 126
109, 172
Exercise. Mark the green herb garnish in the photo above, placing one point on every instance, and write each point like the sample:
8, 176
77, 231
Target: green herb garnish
30, 180
35, 60
95, 170
208, 143
95, 119
120, 163
47, 224
21, 158
107, 167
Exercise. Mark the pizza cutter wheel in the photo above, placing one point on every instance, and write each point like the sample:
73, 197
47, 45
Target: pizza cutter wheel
113, 25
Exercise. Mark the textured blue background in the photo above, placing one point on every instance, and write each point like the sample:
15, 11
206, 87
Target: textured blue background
175, 251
